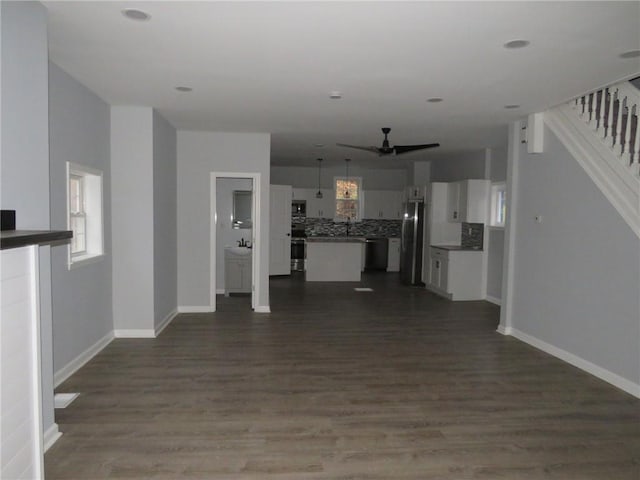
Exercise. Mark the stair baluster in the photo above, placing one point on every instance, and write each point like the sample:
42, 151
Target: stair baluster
609, 124
601, 115
636, 148
626, 144
618, 121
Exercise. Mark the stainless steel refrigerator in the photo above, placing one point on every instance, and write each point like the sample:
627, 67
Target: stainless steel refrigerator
412, 242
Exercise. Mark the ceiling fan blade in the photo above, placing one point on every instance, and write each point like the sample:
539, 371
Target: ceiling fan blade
360, 147
412, 148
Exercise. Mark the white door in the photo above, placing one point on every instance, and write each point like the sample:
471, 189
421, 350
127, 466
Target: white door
280, 230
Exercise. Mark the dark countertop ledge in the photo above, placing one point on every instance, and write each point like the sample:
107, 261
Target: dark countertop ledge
22, 238
335, 239
457, 248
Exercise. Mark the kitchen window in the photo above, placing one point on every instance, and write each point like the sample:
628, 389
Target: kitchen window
498, 204
348, 198
84, 214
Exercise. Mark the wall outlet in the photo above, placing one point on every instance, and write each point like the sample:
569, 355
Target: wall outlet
538, 218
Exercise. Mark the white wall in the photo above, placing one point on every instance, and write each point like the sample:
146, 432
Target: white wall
24, 168
79, 126
225, 235
165, 230
199, 154
421, 173
498, 168
495, 236
307, 177
132, 217
460, 166
576, 274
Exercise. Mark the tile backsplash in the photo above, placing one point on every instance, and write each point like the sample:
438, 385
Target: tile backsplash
325, 227
472, 235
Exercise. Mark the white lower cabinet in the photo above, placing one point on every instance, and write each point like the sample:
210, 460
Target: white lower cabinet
456, 274
237, 273
393, 258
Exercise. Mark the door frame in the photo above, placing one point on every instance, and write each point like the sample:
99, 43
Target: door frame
256, 216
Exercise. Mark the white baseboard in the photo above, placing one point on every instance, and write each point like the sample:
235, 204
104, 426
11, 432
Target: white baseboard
195, 309
51, 436
74, 365
135, 333
603, 374
494, 300
165, 322
503, 330
262, 309
220, 291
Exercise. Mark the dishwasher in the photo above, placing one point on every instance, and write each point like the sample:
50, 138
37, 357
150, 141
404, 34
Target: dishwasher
376, 254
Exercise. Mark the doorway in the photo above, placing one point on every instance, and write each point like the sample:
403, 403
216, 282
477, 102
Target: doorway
234, 228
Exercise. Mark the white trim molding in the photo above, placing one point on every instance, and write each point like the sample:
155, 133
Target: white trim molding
579, 362
256, 240
262, 309
77, 363
165, 322
494, 300
50, 437
195, 309
134, 333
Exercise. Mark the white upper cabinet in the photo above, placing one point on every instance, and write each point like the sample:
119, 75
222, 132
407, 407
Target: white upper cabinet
468, 201
316, 207
382, 204
300, 193
320, 207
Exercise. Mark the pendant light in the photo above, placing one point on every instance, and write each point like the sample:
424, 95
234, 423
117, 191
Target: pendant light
346, 192
319, 194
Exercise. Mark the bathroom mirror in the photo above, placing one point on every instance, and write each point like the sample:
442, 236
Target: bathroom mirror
242, 208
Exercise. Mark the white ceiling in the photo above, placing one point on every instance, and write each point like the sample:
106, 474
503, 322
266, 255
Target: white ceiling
269, 67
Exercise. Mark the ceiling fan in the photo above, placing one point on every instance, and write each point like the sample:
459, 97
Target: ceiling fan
385, 149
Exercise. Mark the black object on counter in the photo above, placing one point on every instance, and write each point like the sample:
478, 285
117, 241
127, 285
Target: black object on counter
8, 220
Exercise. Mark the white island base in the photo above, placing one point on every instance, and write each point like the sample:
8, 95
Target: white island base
334, 260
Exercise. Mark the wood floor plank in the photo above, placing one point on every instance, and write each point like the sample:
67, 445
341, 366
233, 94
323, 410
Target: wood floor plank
335, 384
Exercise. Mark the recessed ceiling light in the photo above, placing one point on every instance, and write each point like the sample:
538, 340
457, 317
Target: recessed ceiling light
135, 14
512, 106
335, 95
434, 100
630, 54
184, 89
517, 44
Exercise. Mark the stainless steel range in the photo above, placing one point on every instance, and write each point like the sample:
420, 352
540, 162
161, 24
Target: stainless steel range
298, 249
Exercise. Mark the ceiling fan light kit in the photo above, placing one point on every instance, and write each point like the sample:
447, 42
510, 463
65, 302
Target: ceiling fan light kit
386, 149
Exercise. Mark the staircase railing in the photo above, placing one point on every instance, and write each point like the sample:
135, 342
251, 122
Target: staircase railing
600, 129
612, 113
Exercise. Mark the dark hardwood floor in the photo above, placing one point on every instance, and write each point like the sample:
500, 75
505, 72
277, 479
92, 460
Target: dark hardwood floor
391, 384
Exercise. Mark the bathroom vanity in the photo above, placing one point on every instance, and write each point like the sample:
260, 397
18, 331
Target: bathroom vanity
237, 270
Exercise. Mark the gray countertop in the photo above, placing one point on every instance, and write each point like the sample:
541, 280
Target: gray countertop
457, 248
335, 239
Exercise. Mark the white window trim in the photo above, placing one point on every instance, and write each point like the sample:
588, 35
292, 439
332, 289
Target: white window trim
360, 200
94, 214
495, 188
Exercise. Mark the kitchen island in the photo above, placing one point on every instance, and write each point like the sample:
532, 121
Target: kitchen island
334, 259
